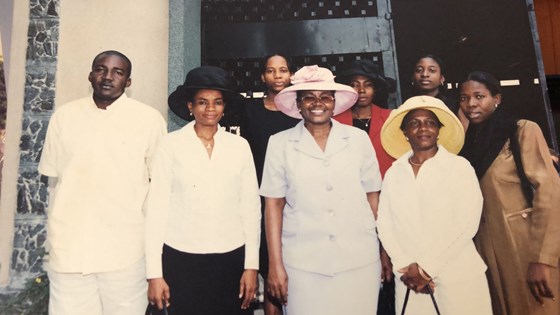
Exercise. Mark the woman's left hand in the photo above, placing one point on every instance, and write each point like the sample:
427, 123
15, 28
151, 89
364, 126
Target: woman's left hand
538, 279
248, 287
386, 266
412, 279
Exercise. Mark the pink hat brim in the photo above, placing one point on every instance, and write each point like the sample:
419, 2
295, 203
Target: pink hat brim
345, 97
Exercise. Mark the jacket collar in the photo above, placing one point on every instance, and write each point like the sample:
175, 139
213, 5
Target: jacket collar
304, 142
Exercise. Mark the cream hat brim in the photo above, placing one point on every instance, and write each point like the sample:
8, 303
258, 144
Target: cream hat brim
451, 135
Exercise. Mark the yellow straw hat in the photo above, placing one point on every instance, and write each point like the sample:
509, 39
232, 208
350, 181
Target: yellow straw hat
451, 134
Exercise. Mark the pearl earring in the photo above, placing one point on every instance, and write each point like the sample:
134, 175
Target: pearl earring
406, 139
496, 105
190, 114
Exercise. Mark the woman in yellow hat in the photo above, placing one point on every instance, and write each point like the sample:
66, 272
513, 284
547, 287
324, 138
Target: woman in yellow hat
429, 210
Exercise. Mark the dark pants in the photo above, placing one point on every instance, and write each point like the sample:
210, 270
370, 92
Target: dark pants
203, 284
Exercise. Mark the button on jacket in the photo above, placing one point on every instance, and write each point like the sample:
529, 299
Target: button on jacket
328, 225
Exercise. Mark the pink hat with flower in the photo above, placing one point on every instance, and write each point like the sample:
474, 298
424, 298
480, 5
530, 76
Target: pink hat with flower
314, 78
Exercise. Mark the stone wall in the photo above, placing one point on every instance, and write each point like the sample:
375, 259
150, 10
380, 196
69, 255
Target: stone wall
53, 44
40, 74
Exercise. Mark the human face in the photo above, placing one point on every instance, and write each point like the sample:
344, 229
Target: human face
477, 102
109, 77
427, 76
277, 74
207, 107
316, 106
422, 130
365, 89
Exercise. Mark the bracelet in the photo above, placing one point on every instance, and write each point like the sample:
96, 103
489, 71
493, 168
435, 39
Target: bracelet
423, 274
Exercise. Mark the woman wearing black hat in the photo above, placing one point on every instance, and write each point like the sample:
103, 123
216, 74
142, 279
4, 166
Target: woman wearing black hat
203, 209
372, 88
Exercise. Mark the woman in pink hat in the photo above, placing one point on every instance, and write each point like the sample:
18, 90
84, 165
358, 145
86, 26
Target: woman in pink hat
321, 183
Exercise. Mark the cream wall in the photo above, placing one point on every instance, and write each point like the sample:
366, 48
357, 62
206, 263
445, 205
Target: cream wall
15, 95
137, 28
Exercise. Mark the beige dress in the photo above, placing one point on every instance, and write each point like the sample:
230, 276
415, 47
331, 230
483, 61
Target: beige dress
512, 234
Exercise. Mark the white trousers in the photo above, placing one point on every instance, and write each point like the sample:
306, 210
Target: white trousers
352, 292
106, 293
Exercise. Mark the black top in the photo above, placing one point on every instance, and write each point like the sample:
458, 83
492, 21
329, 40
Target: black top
450, 101
361, 124
258, 124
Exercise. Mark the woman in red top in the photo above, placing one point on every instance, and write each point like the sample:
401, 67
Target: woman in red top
366, 79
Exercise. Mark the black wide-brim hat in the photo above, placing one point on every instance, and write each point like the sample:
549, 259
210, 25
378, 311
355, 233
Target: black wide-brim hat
366, 68
204, 77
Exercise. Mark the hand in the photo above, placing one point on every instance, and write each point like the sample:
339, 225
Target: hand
277, 282
158, 292
538, 279
412, 279
386, 266
248, 286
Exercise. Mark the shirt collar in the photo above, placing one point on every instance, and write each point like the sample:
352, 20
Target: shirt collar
304, 142
189, 128
116, 103
441, 154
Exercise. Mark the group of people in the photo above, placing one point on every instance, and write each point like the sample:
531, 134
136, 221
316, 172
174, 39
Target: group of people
326, 194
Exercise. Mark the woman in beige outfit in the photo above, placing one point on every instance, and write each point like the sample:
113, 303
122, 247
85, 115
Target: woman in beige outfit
519, 234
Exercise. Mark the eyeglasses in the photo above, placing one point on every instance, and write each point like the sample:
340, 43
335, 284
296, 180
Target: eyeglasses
325, 99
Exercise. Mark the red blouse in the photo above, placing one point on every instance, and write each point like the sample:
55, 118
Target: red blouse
378, 117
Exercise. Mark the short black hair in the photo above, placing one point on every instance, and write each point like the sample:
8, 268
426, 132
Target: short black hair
491, 83
408, 116
436, 58
291, 66
114, 53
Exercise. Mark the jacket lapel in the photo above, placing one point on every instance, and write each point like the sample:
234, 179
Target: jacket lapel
304, 142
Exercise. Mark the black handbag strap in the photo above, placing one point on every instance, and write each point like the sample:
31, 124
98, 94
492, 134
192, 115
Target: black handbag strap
431, 296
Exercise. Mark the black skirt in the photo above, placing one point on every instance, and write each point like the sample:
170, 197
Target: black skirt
204, 284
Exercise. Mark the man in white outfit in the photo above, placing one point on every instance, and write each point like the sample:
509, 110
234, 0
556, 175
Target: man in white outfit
98, 148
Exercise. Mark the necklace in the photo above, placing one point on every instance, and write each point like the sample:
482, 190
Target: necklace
415, 164
364, 121
207, 144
